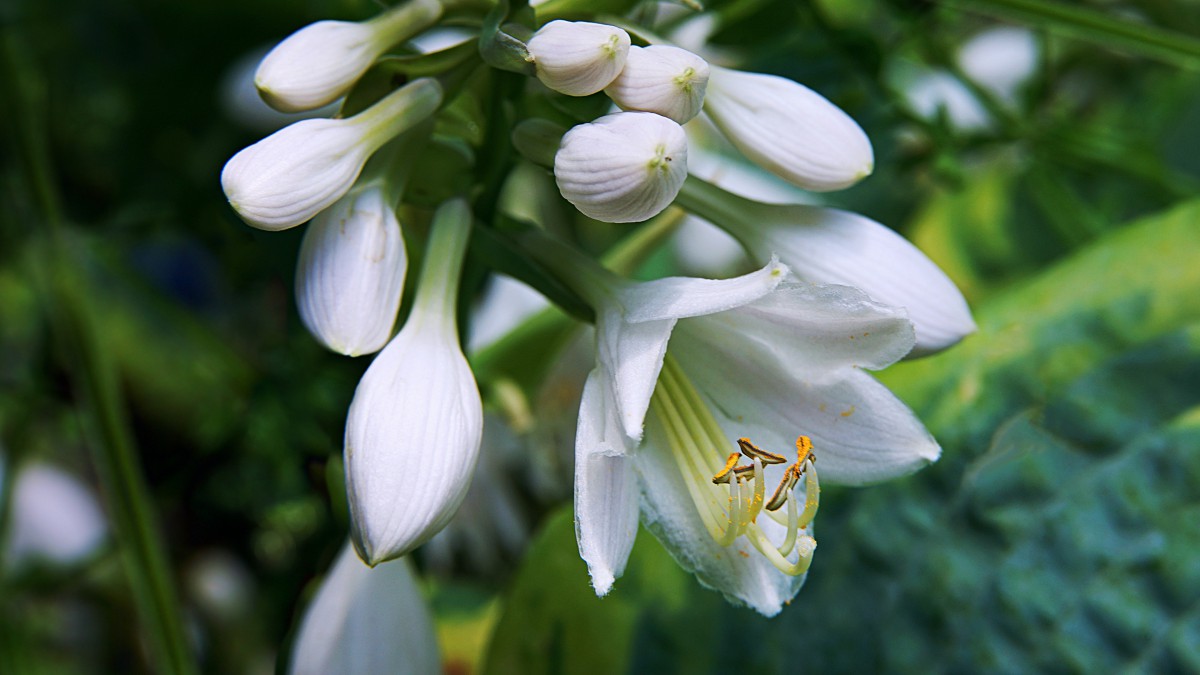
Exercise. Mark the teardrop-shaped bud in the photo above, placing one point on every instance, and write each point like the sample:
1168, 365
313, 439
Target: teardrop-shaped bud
320, 62
414, 427
622, 168
351, 273
788, 129
661, 79
578, 58
300, 170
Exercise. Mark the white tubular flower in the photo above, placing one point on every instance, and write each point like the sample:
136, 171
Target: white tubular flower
300, 170
788, 129
661, 79
839, 247
578, 58
720, 486
55, 518
413, 430
351, 272
622, 168
320, 62
364, 621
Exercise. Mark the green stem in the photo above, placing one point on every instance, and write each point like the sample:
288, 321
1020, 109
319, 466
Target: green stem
1094, 26
721, 208
94, 375
437, 291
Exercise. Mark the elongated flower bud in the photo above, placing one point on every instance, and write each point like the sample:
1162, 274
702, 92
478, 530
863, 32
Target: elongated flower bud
300, 170
578, 58
666, 80
414, 427
351, 273
320, 62
365, 620
788, 129
622, 168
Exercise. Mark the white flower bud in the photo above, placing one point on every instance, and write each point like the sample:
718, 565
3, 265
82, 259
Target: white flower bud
789, 129
320, 62
55, 518
414, 427
622, 168
578, 58
351, 273
300, 170
666, 80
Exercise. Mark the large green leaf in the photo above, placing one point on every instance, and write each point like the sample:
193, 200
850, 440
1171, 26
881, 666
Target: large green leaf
1056, 534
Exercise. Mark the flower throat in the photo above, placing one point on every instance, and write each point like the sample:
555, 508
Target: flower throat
729, 496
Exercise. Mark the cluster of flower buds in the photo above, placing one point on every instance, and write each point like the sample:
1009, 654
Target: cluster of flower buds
415, 425
629, 166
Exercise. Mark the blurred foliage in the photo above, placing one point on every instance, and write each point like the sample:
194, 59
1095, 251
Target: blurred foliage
1056, 534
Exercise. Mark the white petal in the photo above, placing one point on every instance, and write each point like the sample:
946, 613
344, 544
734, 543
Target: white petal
622, 168
300, 170
412, 440
351, 273
839, 247
861, 432
1000, 59
818, 330
606, 504
364, 621
788, 129
631, 356
320, 62
738, 572
679, 297
578, 58
661, 79
506, 304
55, 518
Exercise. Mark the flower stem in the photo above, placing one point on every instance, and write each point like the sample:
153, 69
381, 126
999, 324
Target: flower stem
94, 376
723, 209
437, 291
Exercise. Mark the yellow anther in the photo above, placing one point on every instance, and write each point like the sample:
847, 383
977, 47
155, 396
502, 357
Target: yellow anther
725, 474
790, 477
804, 449
754, 452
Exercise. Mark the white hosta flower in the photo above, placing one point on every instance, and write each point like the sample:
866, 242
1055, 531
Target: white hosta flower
661, 79
320, 62
413, 430
1000, 60
351, 272
365, 621
55, 518
720, 486
931, 93
578, 58
242, 104
622, 168
832, 246
788, 129
300, 170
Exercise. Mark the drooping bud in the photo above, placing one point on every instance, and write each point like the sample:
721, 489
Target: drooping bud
789, 129
300, 170
320, 62
351, 272
414, 427
660, 79
622, 168
578, 58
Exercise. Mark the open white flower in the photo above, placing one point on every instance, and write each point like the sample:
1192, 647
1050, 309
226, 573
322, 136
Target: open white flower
55, 517
414, 427
622, 168
365, 621
351, 272
788, 129
661, 79
300, 170
578, 58
839, 247
320, 62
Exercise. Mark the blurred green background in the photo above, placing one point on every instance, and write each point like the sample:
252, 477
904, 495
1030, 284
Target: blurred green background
1059, 532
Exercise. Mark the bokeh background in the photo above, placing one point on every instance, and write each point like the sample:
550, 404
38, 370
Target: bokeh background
149, 338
